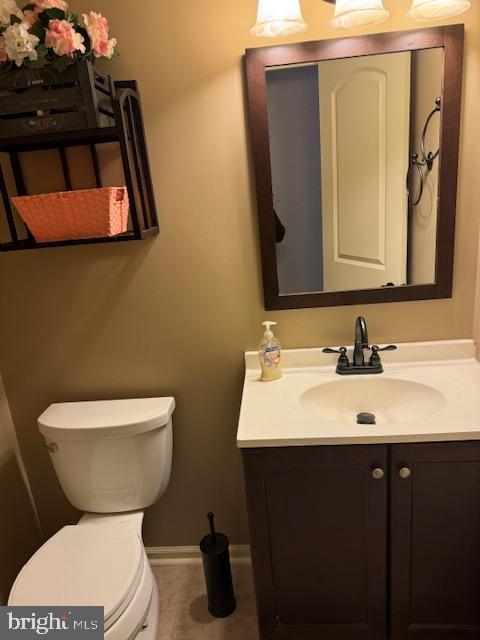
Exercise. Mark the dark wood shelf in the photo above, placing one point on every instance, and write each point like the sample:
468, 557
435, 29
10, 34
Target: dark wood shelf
23, 245
128, 133
59, 139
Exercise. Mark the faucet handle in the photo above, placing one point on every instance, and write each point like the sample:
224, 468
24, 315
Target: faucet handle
343, 359
375, 357
342, 351
391, 347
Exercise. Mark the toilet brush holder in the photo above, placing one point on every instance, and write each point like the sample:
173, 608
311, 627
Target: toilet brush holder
218, 573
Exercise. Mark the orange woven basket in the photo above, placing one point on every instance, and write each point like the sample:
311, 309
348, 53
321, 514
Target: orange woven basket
71, 215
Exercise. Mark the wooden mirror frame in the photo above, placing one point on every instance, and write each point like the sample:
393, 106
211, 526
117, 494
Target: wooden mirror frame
450, 38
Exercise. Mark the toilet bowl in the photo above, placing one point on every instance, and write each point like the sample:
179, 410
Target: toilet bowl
112, 456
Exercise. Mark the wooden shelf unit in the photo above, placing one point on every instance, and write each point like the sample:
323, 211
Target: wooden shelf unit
128, 132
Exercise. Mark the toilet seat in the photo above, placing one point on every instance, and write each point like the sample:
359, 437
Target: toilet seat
100, 565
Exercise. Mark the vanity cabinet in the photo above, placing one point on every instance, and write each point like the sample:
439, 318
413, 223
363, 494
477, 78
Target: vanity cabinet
435, 541
370, 542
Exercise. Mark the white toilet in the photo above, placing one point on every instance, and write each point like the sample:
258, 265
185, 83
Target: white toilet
113, 459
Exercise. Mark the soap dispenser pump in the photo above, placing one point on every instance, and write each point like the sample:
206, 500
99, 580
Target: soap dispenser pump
270, 354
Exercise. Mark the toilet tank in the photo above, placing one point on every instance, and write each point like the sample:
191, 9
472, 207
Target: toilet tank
111, 456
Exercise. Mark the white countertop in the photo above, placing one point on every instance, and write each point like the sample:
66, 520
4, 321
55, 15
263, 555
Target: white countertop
271, 414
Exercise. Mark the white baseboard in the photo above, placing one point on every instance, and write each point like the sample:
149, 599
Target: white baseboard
239, 554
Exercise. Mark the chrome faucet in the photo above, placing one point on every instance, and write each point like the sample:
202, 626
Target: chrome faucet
358, 364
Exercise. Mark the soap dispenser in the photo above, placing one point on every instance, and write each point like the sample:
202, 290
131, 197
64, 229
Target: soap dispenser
270, 354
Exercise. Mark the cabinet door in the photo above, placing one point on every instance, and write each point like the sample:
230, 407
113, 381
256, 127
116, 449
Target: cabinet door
318, 521
436, 541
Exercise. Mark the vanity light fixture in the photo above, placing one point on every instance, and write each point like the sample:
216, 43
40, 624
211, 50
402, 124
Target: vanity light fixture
276, 18
423, 10
358, 13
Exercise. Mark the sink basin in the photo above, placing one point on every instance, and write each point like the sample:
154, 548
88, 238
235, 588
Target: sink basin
390, 400
429, 392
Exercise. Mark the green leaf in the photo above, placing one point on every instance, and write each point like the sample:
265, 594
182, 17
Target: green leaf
42, 51
72, 18
60, 63
87, 56
29, 7
37, 29
55, 14
14, 19
44, 19
6, 67
37, 64
42, 60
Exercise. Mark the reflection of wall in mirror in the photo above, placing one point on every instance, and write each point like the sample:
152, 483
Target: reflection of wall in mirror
427, 74
294, 123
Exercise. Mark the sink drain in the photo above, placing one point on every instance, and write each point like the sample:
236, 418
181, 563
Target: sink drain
366, 418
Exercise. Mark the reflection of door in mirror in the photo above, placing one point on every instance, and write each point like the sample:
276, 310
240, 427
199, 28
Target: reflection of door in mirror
364, 128
341, 136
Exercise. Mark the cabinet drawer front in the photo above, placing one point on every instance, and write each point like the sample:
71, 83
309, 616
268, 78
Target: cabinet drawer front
436, 541
318, 520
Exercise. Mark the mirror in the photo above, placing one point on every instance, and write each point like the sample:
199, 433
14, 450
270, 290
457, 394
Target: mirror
342, 137
352, 155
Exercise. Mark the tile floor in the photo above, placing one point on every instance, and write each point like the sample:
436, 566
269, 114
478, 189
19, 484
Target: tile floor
183, 605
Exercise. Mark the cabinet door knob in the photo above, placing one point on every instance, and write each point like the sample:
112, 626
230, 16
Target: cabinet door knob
405, 473
378, 474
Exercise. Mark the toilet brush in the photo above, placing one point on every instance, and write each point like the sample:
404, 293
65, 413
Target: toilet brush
218, 574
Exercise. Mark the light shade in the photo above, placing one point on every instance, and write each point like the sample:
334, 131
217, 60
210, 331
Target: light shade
437, 9
358, 13
277, 18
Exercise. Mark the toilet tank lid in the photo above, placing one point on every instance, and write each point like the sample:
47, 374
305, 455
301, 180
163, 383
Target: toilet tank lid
105, 418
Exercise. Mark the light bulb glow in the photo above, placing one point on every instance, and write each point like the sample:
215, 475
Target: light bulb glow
437, 9
358, 13
276, 18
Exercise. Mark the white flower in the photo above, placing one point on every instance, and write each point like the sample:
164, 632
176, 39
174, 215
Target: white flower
20, 43
7, 8
110, 48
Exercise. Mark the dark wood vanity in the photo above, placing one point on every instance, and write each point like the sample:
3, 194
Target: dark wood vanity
377, 541
369, 541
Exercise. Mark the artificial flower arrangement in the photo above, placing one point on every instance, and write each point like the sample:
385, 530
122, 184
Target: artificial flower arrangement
46, 32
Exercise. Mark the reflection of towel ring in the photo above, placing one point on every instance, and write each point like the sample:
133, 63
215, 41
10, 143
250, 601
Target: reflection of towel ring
427, 158
419, 165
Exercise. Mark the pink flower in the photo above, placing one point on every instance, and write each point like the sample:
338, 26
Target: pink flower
50, 4
63, 39
30, 17
3, 53
97, 29
41, 5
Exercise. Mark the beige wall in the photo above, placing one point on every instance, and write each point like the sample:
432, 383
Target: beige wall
174, 315
476, 319
19, 534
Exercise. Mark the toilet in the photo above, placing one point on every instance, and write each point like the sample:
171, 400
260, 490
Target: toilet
113, 460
